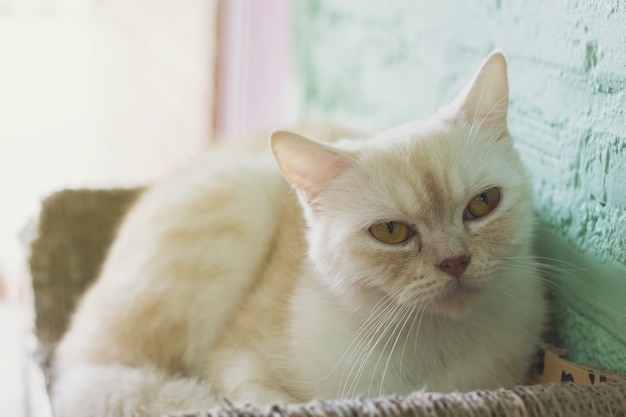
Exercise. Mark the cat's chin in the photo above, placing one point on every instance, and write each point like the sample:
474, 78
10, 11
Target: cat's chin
455, 300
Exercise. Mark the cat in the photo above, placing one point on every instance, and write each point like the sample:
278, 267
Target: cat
357, 264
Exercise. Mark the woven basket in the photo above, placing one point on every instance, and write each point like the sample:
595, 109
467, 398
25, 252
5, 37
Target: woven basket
74, 231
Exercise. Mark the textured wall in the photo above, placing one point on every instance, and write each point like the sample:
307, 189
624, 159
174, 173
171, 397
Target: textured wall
379, 63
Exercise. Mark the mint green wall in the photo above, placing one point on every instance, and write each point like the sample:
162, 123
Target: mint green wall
382, 62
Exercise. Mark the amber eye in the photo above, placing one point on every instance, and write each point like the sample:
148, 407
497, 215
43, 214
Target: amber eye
482, 204
391, 232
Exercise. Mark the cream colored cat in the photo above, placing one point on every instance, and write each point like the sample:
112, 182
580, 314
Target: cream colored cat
401, 262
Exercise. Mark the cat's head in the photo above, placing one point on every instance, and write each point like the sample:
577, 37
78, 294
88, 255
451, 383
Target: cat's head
427, 213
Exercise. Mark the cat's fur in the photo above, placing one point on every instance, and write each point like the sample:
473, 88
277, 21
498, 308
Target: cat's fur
224, 282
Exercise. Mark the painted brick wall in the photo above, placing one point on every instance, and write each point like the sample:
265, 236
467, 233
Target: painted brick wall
378, 63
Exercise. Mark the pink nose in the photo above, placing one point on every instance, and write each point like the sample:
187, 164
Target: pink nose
455, 266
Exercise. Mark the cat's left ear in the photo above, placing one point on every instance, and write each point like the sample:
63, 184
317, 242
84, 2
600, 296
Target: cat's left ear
306, 164
485, 101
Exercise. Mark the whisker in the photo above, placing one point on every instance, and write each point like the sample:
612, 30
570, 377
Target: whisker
553, 278
370, 348
364, 349
545, 280
417, 331
553, 275
362, 338
505, 290
399, 312
406, 339
542, 262
409, 313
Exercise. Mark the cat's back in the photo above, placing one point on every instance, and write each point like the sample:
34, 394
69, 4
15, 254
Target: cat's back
183, 260
186, 257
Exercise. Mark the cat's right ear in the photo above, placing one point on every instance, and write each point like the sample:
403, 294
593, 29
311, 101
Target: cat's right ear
306, 164
485, 100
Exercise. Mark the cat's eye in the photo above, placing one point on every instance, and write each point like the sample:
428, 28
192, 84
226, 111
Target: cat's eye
482, 204
391, 232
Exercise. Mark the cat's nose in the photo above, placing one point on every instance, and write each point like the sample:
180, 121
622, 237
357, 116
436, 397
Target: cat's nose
455, 266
